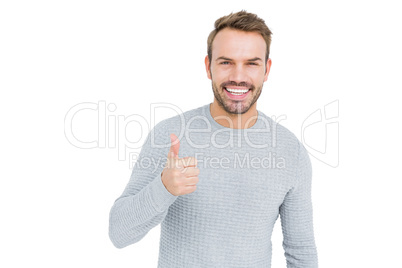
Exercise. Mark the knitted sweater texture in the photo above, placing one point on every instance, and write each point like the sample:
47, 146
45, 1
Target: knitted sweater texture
248, 178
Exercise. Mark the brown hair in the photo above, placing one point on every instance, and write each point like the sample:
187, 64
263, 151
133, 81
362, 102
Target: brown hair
242, 21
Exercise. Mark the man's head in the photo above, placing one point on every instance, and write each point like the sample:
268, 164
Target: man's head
242, 21
238, 60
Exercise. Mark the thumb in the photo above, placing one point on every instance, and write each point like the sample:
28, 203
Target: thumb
175, 146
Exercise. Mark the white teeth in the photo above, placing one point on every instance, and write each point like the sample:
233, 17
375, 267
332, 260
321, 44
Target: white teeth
237, 91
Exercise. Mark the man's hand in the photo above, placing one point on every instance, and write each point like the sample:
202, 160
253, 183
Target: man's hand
179, 176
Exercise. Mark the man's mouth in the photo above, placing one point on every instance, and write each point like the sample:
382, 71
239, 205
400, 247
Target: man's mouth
237, 93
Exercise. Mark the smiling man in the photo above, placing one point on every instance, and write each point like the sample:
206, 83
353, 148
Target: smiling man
238, 67
229, 171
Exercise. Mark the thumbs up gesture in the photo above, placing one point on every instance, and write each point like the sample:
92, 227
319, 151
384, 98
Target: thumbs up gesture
180, 176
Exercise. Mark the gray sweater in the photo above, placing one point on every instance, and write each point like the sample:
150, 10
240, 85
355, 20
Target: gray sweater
248, 177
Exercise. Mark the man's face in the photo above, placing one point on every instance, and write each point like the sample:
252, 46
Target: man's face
237, 69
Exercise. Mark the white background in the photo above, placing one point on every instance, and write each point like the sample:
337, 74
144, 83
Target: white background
55, 198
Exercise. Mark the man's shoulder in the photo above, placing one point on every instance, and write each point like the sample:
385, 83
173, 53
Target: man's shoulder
181, 119
281, 134
159, 134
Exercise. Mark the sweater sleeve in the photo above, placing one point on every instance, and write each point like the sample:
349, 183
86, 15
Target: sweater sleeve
297, 218
145, 201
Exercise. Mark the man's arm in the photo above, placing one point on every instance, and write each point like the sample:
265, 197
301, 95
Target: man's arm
297, 218
145, 201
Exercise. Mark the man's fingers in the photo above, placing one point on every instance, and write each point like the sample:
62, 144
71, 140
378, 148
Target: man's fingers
190, 171
182, 162
174, 146
187, 162
192, 181
174, 162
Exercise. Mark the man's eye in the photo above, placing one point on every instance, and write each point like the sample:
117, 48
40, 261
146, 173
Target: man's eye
252, 63
225, 62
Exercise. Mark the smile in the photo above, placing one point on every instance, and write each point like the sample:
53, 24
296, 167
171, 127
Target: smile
237, 92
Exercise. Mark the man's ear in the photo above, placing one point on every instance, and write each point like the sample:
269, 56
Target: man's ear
267, 69
208, 67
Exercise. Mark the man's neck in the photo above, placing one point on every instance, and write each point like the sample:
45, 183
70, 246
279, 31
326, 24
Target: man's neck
238, 121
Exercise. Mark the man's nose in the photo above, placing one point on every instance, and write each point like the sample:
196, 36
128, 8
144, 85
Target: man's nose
238, 74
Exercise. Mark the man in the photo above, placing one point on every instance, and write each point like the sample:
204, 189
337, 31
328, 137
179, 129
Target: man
228, 169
